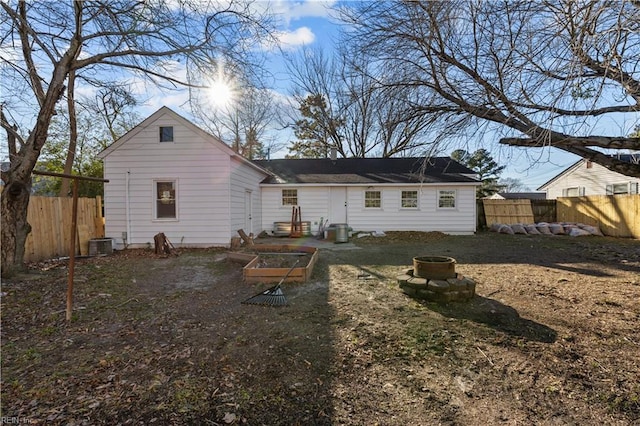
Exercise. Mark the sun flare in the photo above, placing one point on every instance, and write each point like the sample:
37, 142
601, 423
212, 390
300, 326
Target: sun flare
221, 93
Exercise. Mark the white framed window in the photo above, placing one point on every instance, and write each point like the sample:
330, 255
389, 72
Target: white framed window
447, 199
289, 197
372, 199
166, 206
166, 133
622, 188
575, 191
409, 200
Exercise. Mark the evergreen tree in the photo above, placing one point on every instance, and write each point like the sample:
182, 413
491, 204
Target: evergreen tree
488, 170
315, 130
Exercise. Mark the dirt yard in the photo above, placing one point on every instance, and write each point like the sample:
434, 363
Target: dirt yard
552, 337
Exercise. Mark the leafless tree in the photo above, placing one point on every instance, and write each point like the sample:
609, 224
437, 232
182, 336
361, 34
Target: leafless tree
544, 72
510, 184
315, 79
50, 40
245, 122
377, 119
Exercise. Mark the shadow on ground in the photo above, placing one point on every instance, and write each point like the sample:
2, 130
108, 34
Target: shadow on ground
498, 316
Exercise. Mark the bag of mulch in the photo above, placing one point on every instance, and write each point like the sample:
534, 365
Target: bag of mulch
518, 229
556, 229
569, 226
543, 228
495, 227
593, 230
505, 229
577, 232
532, 230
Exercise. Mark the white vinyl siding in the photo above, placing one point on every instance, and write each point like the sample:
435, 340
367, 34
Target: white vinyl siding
313, 201
202, 169
592, 180
243, 180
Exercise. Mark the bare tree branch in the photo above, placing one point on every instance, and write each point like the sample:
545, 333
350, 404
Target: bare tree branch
540, 69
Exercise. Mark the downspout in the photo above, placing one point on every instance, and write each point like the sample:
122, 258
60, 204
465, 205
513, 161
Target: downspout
127, 236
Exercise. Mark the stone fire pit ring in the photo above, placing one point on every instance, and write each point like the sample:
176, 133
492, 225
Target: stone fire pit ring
434, 267
434, 278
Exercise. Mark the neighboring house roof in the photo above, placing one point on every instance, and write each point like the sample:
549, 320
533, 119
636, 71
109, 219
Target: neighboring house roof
521, 195
183, 121
629, 158
367, 171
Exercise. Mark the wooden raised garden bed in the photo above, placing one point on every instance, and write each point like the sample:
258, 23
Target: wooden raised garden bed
261, 270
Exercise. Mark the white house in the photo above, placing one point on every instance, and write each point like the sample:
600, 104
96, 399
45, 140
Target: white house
368, 194
168, 175
587, 178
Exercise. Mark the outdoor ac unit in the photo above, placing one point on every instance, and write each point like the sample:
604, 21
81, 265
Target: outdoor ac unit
100, 246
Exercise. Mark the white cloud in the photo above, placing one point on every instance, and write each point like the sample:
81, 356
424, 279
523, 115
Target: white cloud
11, 53
292, 10
292, 39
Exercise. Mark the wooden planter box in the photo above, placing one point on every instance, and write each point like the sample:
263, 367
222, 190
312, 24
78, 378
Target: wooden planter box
253, 274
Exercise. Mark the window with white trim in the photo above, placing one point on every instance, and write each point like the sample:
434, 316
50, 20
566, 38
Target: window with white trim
165, 199
289, 197
622, 188
447, 198
166, 134
409, 200
576, 191
372, 199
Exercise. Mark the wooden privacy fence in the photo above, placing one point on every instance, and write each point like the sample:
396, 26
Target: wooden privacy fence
616, 215
50, 220
490, 210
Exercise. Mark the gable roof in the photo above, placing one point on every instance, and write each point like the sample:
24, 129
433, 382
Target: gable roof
523, 195
182, 121
367, 171
629, 158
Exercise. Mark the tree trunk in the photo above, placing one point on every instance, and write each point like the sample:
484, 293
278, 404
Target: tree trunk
15, 228
17, 190
73, 135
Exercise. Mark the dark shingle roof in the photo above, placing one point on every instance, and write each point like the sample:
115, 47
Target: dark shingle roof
523, 195
366, 170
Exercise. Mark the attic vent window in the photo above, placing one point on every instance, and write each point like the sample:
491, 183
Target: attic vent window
166, 134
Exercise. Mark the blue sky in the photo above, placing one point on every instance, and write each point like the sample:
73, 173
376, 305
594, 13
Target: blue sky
309, 23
